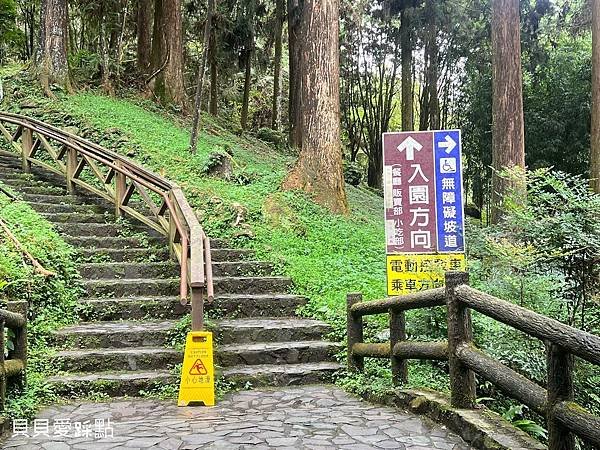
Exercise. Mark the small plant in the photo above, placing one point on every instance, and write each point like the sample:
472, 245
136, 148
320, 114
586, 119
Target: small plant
513, 413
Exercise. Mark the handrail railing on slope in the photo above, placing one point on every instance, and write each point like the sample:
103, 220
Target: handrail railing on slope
564, 416
117, 179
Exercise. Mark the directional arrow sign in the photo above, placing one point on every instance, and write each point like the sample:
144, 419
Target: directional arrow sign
449, 144
410, 146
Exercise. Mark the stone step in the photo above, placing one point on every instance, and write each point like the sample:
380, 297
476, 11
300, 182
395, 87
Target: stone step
66, 199
169, 269
129, 359
34, 190
156, 254
281, 374
114, 384
289, 340
16, 173
118, 334
294, 352
95, 271
252, 285
124, 287
11, 157
72, 217
232, 305
18, 179
134, 383
124, 255
104, 229
230, 331
231, 254
133, 308
119, 242
254, 305
67, 208
109, 287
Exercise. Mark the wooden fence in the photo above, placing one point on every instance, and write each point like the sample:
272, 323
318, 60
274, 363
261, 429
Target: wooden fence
158, 203
555, 402
15, 318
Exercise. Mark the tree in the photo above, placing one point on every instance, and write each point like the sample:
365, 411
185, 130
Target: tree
276, 105
212, 58
595, 134
508, 137
407, 87
144, 34
319, 166
430, 106
200, 79
52, 62
295, 41
246, 27
167, 53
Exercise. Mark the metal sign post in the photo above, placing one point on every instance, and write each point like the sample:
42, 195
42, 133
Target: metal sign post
424, 208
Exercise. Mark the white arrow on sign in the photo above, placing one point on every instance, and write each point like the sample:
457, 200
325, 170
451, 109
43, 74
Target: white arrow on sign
410, 145
449, 144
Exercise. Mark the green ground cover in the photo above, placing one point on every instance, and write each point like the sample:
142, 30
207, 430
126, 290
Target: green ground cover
51, 299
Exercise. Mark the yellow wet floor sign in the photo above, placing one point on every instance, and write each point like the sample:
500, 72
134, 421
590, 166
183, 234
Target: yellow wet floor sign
197, 373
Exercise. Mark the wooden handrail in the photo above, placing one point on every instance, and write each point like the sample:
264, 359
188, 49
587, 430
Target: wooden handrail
120, 178
555, 402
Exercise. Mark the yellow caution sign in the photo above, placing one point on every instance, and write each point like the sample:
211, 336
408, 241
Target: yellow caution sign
415, 272
197, 373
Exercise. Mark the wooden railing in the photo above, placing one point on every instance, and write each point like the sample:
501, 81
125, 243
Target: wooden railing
134, 190
555, 402
15, 318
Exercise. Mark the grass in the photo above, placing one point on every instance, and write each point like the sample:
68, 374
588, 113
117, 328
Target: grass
51, 299
326, 255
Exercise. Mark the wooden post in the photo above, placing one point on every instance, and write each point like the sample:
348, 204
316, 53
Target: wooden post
560, 388
27, 146
197, 309
398, 334
20, 351
172, 230
71, 168
462, 380
355, 333
120, 188
2, 368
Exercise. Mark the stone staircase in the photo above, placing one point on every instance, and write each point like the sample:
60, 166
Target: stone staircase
130, 307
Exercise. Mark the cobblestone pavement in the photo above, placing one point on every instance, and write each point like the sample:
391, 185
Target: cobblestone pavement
312, 417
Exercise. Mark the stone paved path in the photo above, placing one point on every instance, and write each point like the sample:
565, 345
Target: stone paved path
311, 417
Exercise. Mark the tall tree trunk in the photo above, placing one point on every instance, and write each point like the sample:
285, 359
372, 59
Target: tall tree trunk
319, 166
168, 86
214, 99
200, 78
144, 34
429, 114
295, 41
508, 144
276, 105
433, 50
157, 56
595, 135
104, 56
247, 79
121, 39
52, 62
406, 56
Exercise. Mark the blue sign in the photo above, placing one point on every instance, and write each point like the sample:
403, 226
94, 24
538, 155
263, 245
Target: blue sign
448, 188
